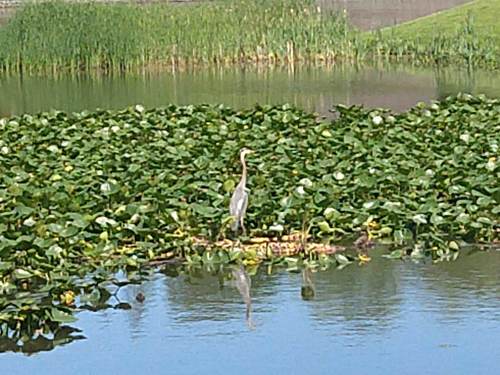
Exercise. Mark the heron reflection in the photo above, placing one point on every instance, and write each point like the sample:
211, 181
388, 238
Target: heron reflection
243, 283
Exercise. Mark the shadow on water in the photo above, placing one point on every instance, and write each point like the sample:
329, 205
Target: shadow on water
63, 335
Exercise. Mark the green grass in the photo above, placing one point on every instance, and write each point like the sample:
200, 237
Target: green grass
485, 14
58, 36
465, 33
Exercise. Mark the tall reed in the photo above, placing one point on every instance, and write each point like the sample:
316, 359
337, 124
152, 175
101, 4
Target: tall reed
55, 36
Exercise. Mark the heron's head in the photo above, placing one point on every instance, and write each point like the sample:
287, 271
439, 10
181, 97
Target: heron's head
245, 151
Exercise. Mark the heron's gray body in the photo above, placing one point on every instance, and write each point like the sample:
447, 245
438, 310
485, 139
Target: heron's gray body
238, 206
239, 200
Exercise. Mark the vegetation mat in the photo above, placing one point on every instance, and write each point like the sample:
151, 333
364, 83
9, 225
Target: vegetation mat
83, 195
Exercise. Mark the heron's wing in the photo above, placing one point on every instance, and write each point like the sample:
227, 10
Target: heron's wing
244, 205
238, 207
239, 203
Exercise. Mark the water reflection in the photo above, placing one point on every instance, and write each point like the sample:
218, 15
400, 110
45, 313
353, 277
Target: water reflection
448, 83
316, 89
200, 296
470, 287
381, 301
243, 283
359, 299
41, 343
307, 289
141, 299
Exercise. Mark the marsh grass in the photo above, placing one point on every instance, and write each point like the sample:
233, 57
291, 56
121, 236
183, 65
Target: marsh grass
57, 36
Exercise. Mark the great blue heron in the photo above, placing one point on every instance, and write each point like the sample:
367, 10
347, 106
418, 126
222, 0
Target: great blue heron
239, 200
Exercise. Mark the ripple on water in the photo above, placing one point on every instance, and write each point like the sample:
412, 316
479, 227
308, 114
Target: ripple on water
386, 316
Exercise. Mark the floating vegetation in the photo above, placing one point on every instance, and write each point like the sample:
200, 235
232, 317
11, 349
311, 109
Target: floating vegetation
269, 247
84, 195
50, 37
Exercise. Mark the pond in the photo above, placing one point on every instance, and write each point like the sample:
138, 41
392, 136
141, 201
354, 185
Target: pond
384, 317
316, 89
379, 318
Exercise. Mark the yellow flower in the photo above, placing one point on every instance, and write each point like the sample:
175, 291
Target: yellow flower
68, 297
364, 258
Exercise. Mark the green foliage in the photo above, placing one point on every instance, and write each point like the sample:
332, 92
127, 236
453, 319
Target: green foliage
93, 192
55, 36
91, 183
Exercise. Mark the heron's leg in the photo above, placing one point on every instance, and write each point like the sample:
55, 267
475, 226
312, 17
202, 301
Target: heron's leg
243, 226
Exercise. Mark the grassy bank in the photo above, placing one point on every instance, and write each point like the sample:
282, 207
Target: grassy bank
484, 14
448, 36
56, 36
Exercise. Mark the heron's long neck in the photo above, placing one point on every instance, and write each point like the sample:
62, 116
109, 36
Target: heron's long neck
244, 172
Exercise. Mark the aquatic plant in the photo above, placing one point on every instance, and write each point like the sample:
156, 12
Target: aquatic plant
59, 36
93, 192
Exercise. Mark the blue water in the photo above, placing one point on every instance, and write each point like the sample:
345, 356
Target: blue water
385, 317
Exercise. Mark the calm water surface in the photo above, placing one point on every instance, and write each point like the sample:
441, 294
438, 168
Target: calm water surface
311, 88
386, 317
